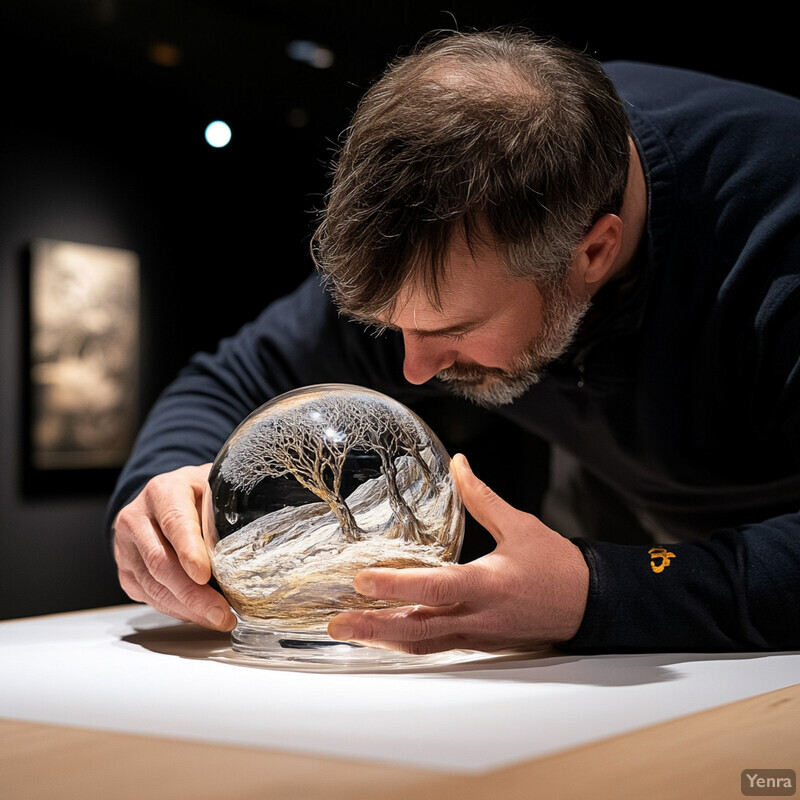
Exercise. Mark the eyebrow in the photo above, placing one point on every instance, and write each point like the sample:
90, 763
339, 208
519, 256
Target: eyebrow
449, 330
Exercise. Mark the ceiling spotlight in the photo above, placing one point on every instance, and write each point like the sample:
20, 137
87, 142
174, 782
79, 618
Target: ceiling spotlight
310, 53
218, 133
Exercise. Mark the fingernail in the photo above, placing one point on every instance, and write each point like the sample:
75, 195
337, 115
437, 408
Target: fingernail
457, 463
340, 631
216, 616
364, 584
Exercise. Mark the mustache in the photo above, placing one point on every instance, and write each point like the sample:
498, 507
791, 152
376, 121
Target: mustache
471, 373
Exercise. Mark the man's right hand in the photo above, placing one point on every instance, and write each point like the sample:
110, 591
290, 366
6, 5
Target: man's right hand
161, 557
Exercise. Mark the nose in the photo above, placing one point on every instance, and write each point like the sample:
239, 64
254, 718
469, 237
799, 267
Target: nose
424, 358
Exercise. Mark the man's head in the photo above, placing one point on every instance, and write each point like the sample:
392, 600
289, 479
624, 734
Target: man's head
495, 139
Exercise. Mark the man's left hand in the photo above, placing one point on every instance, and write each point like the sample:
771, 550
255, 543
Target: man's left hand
528, 592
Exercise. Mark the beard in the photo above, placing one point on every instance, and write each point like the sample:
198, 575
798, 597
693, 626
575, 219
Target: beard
562, 313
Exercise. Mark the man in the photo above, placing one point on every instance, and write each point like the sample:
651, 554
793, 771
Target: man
619, 276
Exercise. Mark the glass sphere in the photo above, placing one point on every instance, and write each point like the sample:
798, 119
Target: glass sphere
312, 487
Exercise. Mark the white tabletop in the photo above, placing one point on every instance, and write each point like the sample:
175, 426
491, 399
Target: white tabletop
129, 669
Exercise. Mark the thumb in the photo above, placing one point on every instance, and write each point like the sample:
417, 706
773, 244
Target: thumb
487, 508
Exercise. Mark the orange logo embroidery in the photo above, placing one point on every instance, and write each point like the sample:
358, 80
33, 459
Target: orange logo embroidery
659, 558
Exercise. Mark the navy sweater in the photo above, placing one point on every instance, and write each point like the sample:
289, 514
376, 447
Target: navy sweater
681, 393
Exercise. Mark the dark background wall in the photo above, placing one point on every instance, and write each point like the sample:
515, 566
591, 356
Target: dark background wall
100, 144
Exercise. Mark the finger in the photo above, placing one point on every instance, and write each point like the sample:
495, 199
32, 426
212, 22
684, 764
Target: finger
190, 602
406, 624
428, 586
487, 508
423, 648
149, 571
173, 502
458, 641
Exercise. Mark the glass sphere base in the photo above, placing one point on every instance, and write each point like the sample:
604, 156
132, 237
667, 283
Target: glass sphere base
315, 649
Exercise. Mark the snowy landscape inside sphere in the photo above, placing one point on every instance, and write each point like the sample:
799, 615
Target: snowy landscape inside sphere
314, 486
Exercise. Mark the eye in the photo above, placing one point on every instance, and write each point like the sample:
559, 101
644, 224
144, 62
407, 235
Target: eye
424, 336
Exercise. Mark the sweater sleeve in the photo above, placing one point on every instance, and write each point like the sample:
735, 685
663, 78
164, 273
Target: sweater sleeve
736, 591
298, 340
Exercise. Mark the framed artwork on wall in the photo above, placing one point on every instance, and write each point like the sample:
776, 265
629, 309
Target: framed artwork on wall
83, 360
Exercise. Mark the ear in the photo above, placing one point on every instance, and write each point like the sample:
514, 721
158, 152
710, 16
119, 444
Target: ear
598, 251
